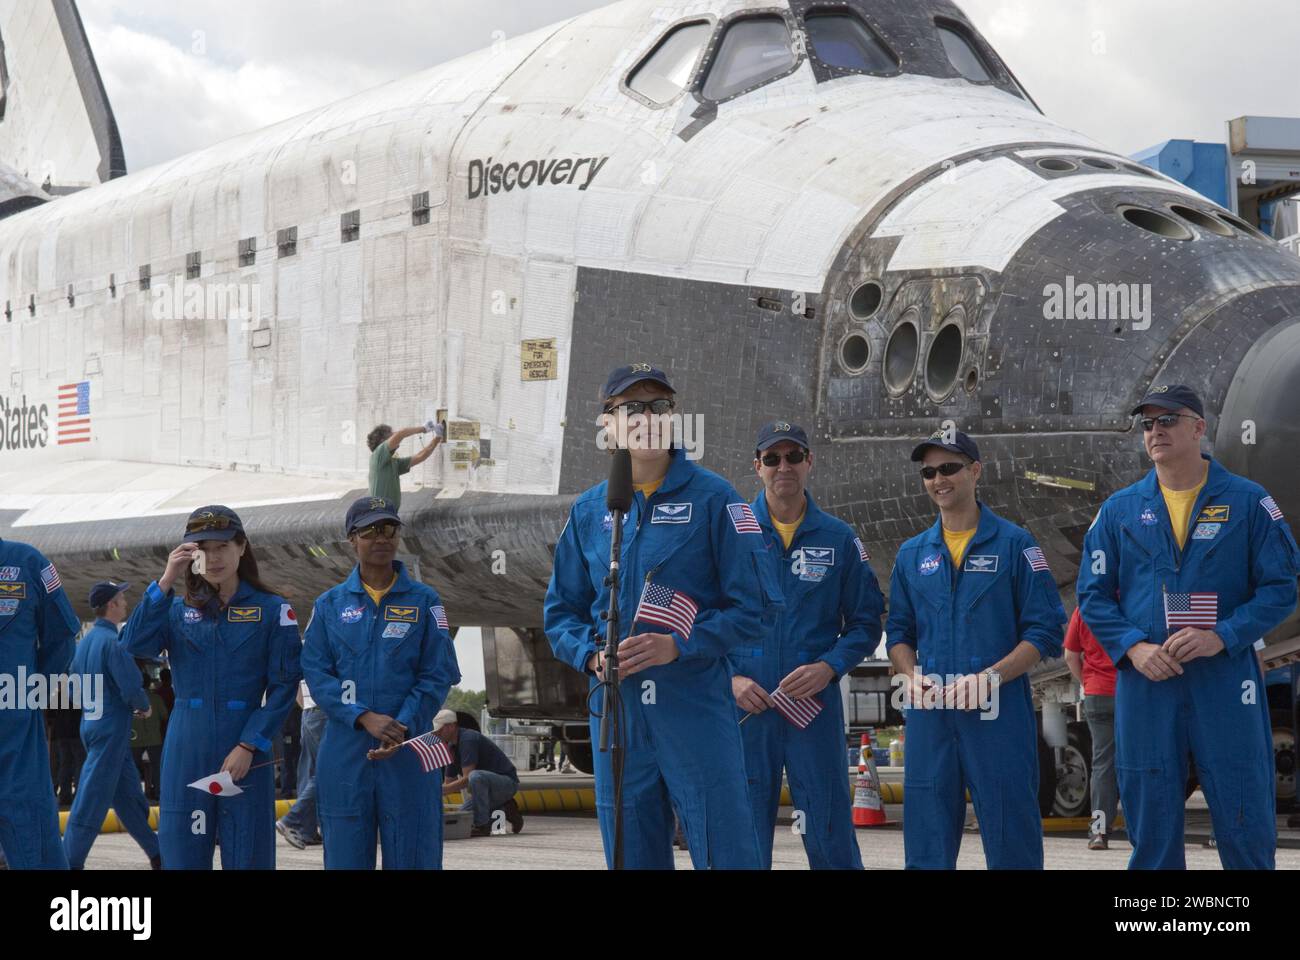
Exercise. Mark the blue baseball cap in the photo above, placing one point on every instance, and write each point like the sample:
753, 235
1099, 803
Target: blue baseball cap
1173, 397
105, 591
777, 431
213, 523
961, 444
370, 510
624, 377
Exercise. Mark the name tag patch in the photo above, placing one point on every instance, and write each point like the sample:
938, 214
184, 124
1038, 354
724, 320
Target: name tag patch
8, 608
244, 614
821, 556
351, 614
396, 630
1207, 531
981, 564
13, 591
1214, 515
402, 614
930, 565
671, 513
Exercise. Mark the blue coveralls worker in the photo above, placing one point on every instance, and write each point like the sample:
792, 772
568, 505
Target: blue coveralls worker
378, 656
696, 542
1237, 548
37, 626
109, 777
975, 623
831, 622
235, 671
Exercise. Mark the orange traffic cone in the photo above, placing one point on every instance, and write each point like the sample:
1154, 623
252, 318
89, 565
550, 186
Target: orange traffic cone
867, 808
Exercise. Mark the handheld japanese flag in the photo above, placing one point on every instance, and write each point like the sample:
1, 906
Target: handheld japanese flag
218, 785
799, 712
433, 753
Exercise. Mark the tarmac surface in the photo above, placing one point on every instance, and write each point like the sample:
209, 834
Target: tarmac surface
571, 841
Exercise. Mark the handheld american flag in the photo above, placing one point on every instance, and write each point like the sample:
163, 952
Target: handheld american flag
433, 753
799, 712
1191, 610
668, 608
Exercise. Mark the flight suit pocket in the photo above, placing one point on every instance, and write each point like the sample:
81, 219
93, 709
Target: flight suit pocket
1144, 789
769, 588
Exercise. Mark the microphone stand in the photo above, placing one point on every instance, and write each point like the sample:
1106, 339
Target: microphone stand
611, 726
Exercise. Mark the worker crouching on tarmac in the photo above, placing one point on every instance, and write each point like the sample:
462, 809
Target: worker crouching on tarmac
693, 556
379, 661
972, 601
233, 648
37, 625
1182, 572
830, 623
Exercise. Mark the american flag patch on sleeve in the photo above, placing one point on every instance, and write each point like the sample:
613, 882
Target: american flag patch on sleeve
1269, 504
1037, 562
440, 616
50, 578
862, 550
743, 519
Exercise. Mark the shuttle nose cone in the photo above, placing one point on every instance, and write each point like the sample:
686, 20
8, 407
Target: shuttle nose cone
1259, 431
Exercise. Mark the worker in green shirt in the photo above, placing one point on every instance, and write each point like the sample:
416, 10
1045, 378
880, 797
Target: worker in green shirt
387, 469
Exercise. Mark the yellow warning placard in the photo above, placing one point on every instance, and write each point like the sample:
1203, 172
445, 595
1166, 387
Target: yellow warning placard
538, 360
463, 431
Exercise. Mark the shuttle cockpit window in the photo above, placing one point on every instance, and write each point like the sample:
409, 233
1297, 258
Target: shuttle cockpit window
752, 52
843, 41
963, 55
666, 71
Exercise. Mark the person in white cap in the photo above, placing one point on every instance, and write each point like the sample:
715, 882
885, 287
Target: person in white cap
487, 772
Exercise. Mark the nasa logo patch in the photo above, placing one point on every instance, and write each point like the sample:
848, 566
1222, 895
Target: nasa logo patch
608, 523
192, 615
10, 574
930, 565
671, 513
1148, 517
351, 614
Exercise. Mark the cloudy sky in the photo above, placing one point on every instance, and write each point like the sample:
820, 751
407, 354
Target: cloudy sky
1131, 73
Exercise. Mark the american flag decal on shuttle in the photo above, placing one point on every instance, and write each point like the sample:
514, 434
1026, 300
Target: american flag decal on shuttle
73, 422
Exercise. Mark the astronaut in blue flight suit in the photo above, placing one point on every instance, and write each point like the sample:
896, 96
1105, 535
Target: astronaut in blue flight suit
37, 626
694, 564
972, 607
1182, 572
109, 777
831, 622
231, 642
379, 661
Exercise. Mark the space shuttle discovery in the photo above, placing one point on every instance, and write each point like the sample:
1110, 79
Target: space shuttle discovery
849, 215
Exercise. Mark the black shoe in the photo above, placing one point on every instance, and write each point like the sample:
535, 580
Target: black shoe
315, 841
483, 831
155, 863
511, 810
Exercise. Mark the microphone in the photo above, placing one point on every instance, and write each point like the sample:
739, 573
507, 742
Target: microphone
618, 495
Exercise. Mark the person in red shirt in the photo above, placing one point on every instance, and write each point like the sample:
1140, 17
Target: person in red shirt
1091, 667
